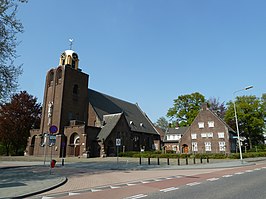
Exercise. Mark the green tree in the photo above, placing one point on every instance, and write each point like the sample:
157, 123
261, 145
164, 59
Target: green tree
250, 115
16, 119
162, 123
186, 108
9, 27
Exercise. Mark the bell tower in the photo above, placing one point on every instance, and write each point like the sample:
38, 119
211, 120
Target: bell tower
65, 94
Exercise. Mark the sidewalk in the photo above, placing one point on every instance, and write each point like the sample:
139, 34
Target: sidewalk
20, 179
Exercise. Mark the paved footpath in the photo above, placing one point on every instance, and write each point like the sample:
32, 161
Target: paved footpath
20, 179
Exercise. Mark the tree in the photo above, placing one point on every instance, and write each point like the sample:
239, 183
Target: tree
186, 108
9, 27
16, 119
250, 115
217, 107
162, 123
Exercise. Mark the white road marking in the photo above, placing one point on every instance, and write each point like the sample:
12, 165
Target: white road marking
130, 184
46, 197
95, 190
169, 189
145, 182
73, 194
193, 183
227, 176
239, 173
249, 171
136, 196
212, 179
257, 169
114, 187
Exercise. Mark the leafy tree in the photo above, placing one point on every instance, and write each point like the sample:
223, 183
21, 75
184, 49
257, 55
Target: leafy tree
162, 123
217, 107
16, 119
9, 27
186, 108
250, 115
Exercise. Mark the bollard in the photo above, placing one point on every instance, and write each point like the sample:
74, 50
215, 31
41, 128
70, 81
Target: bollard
207, 159
201, 160
139, 160
194, 160
149, 160
178, 161
63, 162
186, 160
168, 163
158, 161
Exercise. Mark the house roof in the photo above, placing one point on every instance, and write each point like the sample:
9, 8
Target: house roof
174, 131
105, 105
110, 123
179, 130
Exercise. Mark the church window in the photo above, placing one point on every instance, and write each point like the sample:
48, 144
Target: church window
59, 76
75, 89
50, 78
73, 63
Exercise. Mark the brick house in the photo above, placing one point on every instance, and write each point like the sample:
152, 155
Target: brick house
208, 134
78, 121
172, 137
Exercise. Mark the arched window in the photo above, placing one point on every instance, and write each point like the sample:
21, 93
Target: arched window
50, 78
58, 76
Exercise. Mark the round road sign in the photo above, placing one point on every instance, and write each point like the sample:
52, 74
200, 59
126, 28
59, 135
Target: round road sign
53, 129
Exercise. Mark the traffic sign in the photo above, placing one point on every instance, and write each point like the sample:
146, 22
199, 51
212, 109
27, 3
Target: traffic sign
53, 129
118, 142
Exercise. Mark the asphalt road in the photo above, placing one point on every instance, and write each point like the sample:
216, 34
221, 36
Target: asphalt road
246, 182
243, 185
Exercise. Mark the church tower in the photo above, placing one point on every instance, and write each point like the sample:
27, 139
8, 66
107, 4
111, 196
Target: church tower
65, 94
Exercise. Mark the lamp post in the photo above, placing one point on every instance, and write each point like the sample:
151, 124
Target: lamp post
237, 129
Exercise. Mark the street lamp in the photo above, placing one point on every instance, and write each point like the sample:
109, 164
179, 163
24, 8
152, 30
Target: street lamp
237, 129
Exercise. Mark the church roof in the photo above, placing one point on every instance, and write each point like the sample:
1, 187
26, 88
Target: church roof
104, 105
110, 123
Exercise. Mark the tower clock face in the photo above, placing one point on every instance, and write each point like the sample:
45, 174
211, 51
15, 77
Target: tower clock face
75, 56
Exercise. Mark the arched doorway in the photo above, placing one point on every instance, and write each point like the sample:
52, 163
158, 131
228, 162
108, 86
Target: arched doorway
184, 148
74, 145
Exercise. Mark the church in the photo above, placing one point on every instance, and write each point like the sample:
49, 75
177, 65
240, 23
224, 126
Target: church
79, 121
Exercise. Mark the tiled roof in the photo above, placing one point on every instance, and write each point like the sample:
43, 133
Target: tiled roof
104, 105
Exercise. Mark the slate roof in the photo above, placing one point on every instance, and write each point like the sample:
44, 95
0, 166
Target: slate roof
104, 105
110, 123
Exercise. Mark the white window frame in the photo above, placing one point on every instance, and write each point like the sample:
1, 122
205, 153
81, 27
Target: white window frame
222, 146
201, 125
220, 134
194, 146
193, 136
203, 135
210, 135
211, 124
208, 146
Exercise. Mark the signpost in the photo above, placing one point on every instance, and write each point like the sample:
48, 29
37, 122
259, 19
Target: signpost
118, 144
52, 139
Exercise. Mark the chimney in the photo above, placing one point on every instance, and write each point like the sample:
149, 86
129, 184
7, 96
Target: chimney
204, 106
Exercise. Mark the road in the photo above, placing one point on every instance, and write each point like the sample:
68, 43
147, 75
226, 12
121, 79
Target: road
245, 185
240, 182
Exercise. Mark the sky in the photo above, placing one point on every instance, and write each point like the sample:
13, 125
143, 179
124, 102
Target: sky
148, 51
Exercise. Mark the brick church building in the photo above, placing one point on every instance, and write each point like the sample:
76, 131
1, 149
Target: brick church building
78, 121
